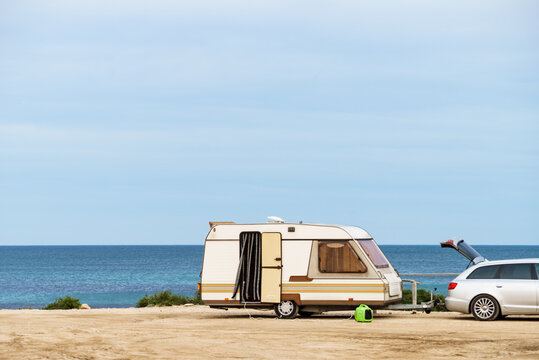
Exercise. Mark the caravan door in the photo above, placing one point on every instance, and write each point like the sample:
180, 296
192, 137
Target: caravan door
271, 268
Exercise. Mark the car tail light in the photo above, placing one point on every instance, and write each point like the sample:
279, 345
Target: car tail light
452, 285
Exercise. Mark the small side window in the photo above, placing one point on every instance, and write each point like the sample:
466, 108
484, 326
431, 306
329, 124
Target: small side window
485, 272
537, 271
516, 272
373, 252
338, 257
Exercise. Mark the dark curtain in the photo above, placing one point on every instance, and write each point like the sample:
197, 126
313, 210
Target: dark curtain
249, 268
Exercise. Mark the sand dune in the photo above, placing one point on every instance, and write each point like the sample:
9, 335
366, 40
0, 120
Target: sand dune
199, 332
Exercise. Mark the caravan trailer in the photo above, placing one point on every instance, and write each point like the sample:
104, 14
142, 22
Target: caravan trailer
291, 267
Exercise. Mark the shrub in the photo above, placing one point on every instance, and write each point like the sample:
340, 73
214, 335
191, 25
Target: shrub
167, 298
197, 300
63, 304
424, 296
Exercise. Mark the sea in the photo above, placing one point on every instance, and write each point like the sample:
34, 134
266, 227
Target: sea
118, 276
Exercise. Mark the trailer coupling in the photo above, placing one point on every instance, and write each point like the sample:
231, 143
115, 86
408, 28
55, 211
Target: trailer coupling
424, 306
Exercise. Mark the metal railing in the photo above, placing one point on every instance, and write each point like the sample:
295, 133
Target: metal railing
429, 274
415, 283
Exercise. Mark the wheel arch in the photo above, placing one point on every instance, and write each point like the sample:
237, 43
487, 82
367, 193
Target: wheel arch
293, 312
483, 294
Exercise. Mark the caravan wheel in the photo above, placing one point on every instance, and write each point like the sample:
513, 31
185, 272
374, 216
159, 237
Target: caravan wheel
287, 309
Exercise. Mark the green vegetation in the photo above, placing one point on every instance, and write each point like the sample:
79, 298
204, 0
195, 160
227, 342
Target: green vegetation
167, 298
63, 303
197, 300
424, 296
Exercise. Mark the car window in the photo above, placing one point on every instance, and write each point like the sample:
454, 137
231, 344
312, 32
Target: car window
537, 270
516, 271
484, 272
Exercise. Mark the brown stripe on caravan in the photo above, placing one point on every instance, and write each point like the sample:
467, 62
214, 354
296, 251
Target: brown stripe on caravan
346, 302
294, 297
236, 303
300, 278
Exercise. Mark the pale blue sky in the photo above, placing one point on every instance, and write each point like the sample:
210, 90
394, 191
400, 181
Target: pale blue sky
137, 122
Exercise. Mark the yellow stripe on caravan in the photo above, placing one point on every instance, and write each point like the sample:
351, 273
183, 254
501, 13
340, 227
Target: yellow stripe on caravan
291, 291
217, 288
294, 291
326, 284
336, 288
307, 284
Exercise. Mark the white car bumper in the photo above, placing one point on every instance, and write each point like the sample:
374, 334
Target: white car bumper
459, 305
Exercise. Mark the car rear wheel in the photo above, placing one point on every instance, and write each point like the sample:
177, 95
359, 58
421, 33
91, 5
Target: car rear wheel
286, 309
485, 308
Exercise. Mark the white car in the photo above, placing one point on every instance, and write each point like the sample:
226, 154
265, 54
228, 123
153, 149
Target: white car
493, 289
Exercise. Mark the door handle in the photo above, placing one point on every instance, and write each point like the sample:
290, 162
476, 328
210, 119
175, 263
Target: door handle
278, 259
272, 267
499, 286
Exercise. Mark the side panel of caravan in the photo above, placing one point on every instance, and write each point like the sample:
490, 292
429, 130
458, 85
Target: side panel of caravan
220, 265
296, 256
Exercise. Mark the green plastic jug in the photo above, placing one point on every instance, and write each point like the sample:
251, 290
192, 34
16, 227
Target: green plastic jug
363, 313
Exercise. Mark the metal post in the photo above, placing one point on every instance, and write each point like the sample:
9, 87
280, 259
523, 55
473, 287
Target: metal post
414, 292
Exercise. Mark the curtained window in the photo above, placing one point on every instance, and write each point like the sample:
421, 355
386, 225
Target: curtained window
338, 257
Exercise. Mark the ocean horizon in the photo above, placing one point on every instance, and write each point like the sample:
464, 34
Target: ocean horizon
31, 276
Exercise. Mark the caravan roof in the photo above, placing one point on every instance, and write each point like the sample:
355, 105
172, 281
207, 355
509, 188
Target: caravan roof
228, 230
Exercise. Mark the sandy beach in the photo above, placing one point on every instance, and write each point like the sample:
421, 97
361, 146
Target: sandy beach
199, 332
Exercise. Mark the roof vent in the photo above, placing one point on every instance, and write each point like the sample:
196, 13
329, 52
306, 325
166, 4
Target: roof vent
275, 219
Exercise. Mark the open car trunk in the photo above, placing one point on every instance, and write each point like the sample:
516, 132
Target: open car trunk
466, 250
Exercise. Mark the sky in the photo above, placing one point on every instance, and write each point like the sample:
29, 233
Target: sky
137, 122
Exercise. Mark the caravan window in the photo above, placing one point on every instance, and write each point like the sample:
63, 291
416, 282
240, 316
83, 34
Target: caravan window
373, 252
338, 257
